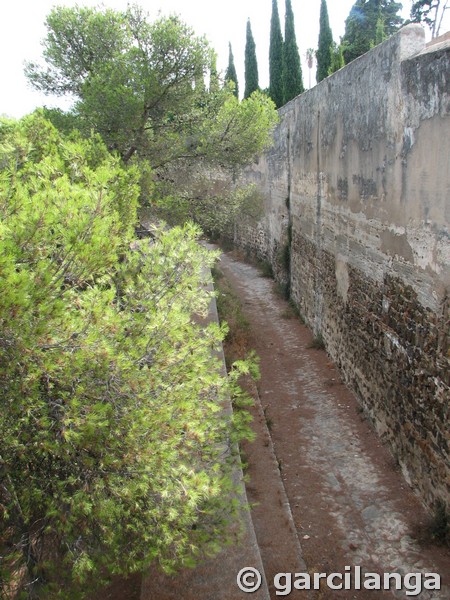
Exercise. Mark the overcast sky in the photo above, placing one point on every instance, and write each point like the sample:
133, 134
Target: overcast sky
22, 29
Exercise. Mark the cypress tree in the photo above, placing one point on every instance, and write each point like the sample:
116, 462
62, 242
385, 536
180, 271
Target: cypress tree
337, 58
324, 51
369, 22
292, 70
276, 58
230, 74
213, 75
251, 65
380, 34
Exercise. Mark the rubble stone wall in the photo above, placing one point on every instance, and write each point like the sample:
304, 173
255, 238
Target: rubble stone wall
356, 226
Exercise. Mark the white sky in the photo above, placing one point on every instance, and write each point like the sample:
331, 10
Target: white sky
22, 29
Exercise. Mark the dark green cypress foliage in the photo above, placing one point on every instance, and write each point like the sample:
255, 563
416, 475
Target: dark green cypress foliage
213, 76
292, 70
231, 74
251, 65
276, 58
337, 58
324, 51
380, 34
369, 22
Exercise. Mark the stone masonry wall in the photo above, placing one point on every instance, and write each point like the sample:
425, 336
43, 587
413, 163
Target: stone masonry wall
356, 191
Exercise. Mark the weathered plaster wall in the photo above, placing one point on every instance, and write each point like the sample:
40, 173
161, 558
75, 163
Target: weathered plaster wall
357, 189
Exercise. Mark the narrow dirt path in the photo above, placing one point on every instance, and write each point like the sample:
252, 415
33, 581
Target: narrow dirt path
349, 502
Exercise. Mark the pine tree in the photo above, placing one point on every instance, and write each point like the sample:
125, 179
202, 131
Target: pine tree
251, 65
102, 365
292, 70
324, 52
231, 74
276, 58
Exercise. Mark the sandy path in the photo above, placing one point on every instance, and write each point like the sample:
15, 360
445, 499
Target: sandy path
349, 502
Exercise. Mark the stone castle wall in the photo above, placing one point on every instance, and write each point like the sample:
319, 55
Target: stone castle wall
356, 212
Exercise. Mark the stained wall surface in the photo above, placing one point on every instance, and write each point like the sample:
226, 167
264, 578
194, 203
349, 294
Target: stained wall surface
356, 226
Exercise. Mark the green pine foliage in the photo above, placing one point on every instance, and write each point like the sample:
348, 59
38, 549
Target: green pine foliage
251, 64
115, 448
337, 58
135, 82
230, 74
215, 209
276, 58
292, 70
148, 101
324, 51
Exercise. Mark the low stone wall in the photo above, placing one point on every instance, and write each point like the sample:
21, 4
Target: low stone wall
356, 191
